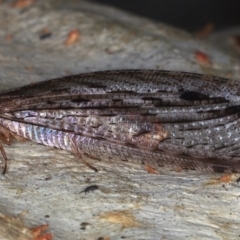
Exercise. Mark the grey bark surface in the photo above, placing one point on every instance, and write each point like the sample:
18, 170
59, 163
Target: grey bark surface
130, 202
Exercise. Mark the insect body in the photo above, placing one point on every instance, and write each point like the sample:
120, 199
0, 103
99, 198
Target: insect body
160, 118
90, 189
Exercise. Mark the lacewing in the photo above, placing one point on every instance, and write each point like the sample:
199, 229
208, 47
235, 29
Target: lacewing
159, 118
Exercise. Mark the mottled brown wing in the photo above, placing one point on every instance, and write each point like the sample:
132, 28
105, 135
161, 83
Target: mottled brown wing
183, 114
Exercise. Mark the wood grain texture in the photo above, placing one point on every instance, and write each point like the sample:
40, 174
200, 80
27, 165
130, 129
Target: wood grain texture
13, 228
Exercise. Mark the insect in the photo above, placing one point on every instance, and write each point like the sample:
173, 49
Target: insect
160, 118
90, 189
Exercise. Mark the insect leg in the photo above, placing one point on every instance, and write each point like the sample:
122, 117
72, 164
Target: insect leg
4, 157
80, 155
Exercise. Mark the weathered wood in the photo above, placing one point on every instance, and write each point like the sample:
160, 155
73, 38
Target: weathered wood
131, 202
